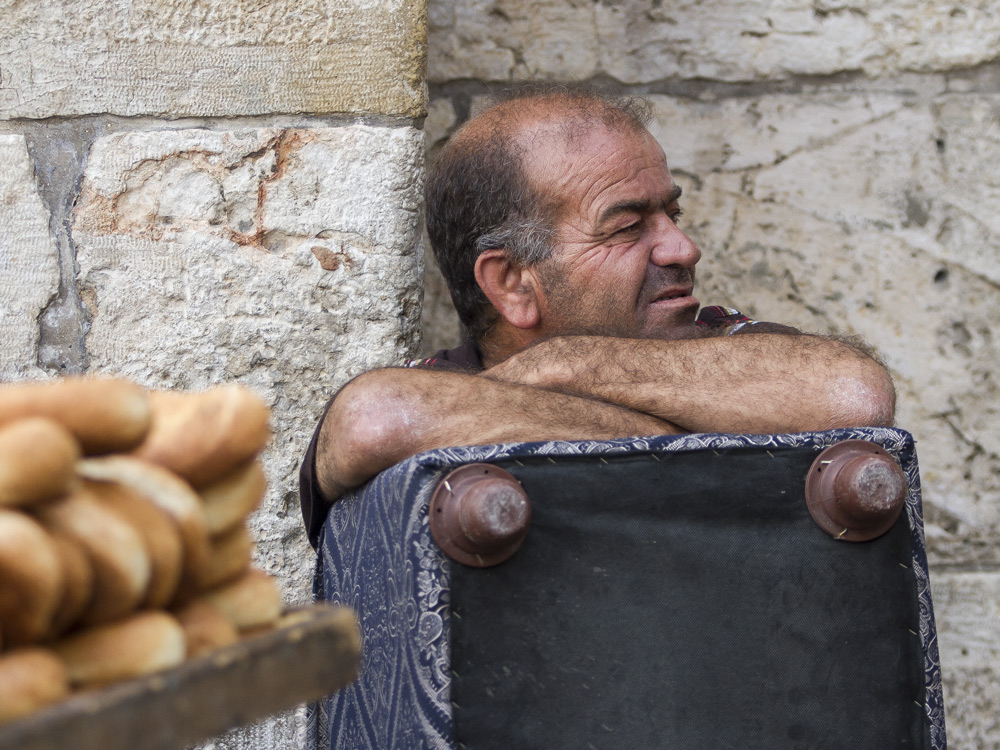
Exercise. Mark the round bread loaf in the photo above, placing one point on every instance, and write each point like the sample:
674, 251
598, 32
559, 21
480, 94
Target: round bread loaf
205, 627
159, 532
78, 582
105, 414
31, 579
115, 549
229, 501
142, 643
30, 679
165, 490
231, 555
37, 456
251, 601
204, 436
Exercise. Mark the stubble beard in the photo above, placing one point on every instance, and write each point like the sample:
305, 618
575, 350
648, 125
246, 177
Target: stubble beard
576, 315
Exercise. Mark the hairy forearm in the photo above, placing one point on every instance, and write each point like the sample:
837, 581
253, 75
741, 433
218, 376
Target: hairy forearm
386, 416
752, 384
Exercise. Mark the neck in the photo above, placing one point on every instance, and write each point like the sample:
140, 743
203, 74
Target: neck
503, 341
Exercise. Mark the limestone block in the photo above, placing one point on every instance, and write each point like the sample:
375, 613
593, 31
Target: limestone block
29, 261
967, 610
968, 135
742, 134
866, 215
286, 260
650, 40
211, 57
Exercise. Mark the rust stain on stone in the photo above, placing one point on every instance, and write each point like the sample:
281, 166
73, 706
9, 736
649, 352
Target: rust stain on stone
88, 295
328, 260
100, 214
244, 240
96, 213
286, 143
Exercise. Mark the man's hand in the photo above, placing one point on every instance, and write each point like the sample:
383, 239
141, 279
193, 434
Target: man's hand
761, 383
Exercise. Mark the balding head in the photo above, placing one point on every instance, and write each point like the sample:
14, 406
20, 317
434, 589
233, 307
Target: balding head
480, 193
561, 112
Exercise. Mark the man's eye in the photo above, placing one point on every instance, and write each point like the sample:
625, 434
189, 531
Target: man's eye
675, 216
633, 227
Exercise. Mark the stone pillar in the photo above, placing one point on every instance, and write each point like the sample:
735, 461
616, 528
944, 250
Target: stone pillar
209, 191
839, 166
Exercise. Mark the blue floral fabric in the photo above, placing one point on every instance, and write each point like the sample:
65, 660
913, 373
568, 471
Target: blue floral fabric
376, 555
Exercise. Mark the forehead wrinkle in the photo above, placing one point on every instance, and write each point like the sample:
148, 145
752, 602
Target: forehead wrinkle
601, 168
640, 205
570, 165
642, 202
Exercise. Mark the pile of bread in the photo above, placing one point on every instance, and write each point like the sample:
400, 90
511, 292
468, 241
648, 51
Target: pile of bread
123, 540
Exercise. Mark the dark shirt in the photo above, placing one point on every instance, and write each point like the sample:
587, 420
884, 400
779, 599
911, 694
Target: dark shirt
464, 358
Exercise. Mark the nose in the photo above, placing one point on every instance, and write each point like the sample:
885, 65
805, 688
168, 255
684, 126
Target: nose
671, 246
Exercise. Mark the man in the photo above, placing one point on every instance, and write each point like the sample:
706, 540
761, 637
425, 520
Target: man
554, 218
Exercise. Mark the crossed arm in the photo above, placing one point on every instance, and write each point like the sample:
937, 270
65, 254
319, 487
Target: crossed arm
587, 387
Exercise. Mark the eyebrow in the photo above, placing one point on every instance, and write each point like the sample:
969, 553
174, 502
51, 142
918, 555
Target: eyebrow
638, 206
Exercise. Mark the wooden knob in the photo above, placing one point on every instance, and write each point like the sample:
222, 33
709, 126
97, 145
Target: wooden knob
855, 491
479, 515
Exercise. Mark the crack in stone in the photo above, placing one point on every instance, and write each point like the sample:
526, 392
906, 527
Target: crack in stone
814, 144
975, 447
984, 77
953, 263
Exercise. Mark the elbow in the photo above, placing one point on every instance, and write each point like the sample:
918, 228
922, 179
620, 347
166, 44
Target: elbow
364, 431
864, 398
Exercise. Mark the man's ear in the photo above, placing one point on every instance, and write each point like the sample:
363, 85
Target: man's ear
510, 288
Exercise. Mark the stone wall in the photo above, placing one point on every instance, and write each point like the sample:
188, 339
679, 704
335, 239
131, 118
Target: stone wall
840, 169
205, 191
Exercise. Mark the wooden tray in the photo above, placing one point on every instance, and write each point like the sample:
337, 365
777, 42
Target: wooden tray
315, 652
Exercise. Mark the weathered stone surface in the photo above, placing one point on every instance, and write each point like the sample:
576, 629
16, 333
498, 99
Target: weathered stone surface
29, 261
211, 57
967, 609
650, 40
286, 260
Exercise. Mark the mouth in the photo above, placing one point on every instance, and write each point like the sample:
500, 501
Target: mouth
680, 295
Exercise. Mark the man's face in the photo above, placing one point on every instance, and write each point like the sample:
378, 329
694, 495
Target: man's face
620, 265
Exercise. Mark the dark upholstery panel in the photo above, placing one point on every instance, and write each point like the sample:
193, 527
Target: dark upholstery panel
686, 601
